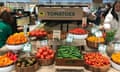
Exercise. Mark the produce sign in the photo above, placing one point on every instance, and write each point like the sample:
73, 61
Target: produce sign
45, 53
7, 59
60, 13
78, 31
38, 33
96, 59
71, 52
17, 38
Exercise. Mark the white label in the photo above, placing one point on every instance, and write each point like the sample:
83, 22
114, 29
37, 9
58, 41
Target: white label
93, 30
43, 42
98, 34
102, 48
69, 38
117, 46
56, 34
27, 47
25, 29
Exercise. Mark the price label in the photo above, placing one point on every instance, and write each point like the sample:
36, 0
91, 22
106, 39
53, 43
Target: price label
69, 38
27, 47
102, 48
93, 30
25, 29
43, 42
98, 34
117, 46
56, 34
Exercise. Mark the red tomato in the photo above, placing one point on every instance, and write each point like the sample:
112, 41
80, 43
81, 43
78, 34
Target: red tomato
40, 51
44, 49
50, 51
45, 53
47, 57
42, 56
38, 55
52, 55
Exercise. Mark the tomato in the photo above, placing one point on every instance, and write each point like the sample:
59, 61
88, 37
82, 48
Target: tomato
42, 57
38, 55
50, 51
45, 53
52, 55
47, 57
40, 51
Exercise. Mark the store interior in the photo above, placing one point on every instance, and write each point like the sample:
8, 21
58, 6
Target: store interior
60, 36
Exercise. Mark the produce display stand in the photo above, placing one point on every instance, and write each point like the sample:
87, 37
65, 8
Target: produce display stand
61, 14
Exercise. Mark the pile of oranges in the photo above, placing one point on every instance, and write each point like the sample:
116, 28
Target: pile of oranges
16, 38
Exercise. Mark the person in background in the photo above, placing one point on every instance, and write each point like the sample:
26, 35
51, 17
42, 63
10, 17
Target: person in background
107, 8
112, 20
5, 25
98, 15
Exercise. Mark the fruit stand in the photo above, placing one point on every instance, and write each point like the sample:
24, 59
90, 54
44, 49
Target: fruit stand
77, 50
59, 55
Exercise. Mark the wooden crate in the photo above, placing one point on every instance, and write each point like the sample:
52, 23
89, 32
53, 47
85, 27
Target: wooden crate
69, 62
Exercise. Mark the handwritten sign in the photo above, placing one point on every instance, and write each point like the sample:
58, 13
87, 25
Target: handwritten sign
98, 34
117, 46
69, 38
56, 34
102, 48
43, 42
27, 47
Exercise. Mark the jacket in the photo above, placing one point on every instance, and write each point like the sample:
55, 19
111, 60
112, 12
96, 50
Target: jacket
5, 31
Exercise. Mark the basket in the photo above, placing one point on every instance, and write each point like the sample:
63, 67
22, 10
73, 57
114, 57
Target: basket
32, 68
69, 61
93, 44
97, 69
46, 62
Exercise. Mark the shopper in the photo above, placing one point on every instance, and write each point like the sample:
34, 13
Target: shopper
107, 8
112, 19
5, 25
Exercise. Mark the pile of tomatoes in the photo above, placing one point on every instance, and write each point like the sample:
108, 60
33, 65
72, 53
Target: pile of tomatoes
45, 53
78, 31
96, 59
7, 59
38, 33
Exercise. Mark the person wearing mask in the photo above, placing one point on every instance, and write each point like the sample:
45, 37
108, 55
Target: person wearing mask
112, 20
5, 25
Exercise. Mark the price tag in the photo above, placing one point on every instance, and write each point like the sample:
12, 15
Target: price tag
93, 30
56, 34
117, 46
69, 38
98, 34
43, 42
25, 29
102, 48
27, 47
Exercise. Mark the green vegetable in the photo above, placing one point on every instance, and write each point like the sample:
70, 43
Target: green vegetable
71, 52
110, 35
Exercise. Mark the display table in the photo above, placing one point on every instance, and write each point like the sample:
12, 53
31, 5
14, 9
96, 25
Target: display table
52, 68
